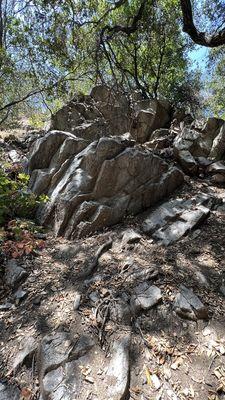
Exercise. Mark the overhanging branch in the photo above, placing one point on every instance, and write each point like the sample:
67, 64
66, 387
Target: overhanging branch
128, 30
202, 38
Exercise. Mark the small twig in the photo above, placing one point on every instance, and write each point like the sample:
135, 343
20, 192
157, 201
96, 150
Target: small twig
211, 362
142, 336
32, 371
101, 331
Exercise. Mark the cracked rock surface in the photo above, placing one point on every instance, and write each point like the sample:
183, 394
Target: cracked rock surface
169, 222
99, 185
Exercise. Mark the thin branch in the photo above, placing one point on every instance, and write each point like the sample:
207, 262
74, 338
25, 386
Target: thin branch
39, 91
158, 76
128, 30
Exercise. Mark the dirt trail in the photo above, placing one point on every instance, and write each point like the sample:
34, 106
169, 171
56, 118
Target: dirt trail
169, 357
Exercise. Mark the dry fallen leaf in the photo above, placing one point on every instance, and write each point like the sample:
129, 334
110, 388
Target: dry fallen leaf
26, 394
148, 376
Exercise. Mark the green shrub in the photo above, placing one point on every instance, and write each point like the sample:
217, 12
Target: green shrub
16, 200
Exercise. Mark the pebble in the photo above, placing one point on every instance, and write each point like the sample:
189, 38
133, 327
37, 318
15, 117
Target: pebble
94, 297
76, 303
5, 306
37, 300
206, 331
156, 382
20, 294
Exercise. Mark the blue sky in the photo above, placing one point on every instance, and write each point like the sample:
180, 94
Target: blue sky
198, 57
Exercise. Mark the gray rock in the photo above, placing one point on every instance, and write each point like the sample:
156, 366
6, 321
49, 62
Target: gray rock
183, 149
187, 162
142, 275
65, 382
117, 376
188, 220
37, 300
9, 392
83, 345
169, 222
5, 306
201, 278
20, 295
121, 313
163, 214
130, 236
158, 143
218, 146
221, 208
218, 178
14, 156
66, 251
160, 133
77, 299
28, 350
216, 168
197, 143
103, 113
96, 188
150, 116
59, 348
54, 351
59, 361
145, 297
101, 93
94, 297
203, 161
188, 305
14, 274
222, 289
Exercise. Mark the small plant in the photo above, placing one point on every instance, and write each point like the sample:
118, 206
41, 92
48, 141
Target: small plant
17, 205
20, 239
16, 200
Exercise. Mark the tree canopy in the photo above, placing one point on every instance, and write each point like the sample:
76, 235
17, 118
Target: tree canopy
51, 48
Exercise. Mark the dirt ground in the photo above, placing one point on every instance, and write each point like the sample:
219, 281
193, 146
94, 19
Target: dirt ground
186, 357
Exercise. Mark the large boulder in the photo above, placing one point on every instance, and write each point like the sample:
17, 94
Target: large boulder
150, 115
96, 185
183, 147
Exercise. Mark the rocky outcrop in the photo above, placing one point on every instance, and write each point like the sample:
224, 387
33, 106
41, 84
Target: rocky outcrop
106, 112
99, 114
96, 187
97, 173
58, 365
205, 138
